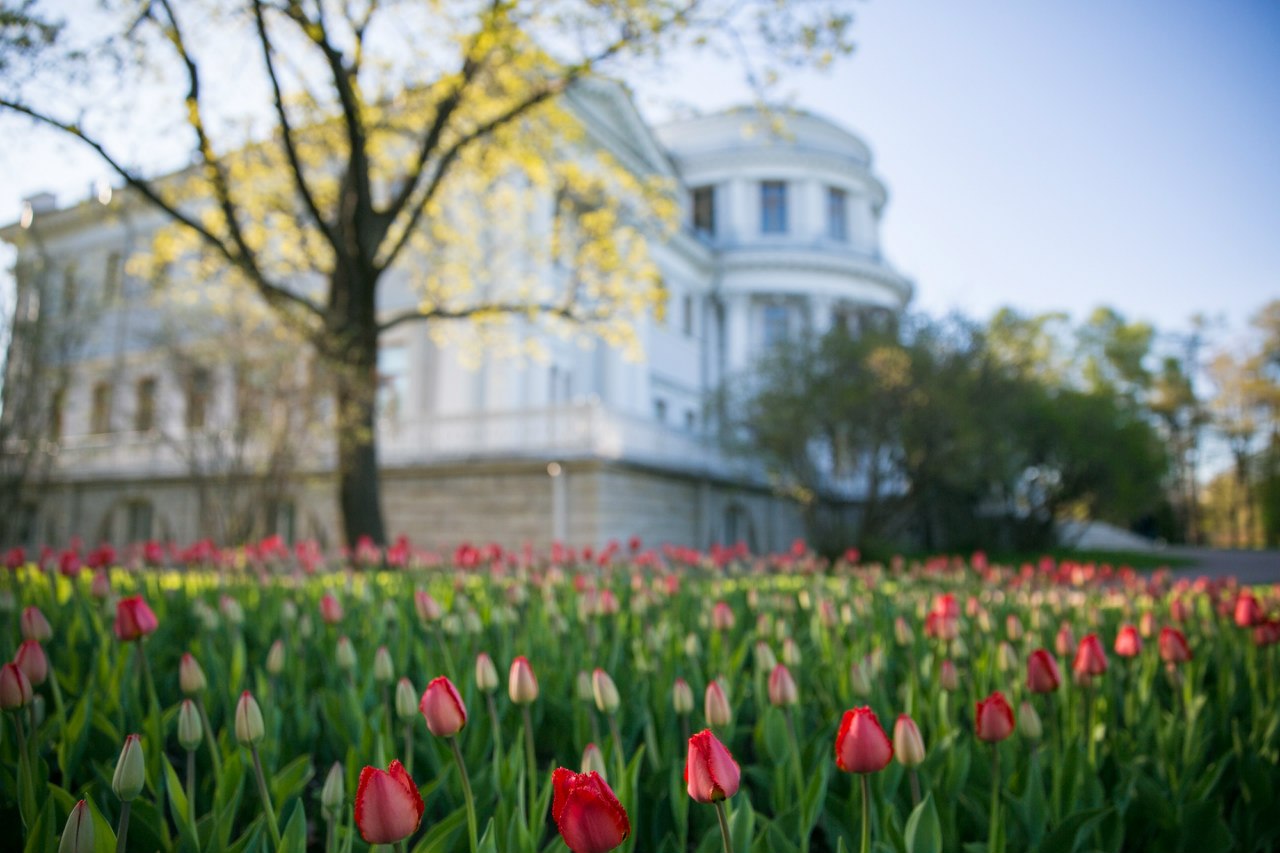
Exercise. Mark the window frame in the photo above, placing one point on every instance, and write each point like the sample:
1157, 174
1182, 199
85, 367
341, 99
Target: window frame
773, 207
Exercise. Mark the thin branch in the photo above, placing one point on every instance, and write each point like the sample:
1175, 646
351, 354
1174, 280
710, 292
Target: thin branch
286, 128
272, 293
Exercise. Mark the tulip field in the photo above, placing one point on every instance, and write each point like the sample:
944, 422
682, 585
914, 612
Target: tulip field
665, 701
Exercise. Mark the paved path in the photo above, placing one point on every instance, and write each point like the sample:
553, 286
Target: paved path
1247, 566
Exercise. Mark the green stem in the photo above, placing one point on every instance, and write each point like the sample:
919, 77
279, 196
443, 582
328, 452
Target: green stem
265, 794
993, 839
1088, 724
497, 742
466, 793
122, 829
915, 787
530, 763
209, 739
724, 826
798, 769
191, 786
26, 783
330, 834
619, 760
866, 813
408, 747
444, 650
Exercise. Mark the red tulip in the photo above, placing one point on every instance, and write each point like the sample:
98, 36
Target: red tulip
722, 618
33, 662
15, 687
330, 609
1042, 672
1247, 611
134, 619
1065, 642
388, 805
588, 815
993, 718
948, 678
710, 773
861, 744
1173, 646
716, 705
443, 708
1128, 643
1090, 659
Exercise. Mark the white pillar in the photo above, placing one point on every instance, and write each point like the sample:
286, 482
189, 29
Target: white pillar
737, 332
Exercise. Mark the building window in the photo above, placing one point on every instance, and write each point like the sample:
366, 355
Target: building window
773, 207
704, 211
837, 214
199, 384
57, 404
393, 380
660, 410
777, 324
100, 411
144, 413
138, 517
687, 314
690, 420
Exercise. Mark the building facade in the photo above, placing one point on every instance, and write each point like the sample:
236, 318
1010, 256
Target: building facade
780, 239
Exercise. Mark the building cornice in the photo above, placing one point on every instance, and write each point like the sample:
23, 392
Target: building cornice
800, 260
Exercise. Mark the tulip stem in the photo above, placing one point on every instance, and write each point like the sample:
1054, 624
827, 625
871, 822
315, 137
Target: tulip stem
265, 794
330, 833
993, 839
619, 760
466, 793
799, 771
496, 727
1088, 724
191, 785
209, 738
408, 747
866, 813
122, 829
530, 760
915, 787
724, 826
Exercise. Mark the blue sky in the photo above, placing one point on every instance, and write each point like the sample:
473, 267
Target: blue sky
1045, 155
1061, 155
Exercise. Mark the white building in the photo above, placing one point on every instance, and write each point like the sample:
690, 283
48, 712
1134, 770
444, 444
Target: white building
780, 240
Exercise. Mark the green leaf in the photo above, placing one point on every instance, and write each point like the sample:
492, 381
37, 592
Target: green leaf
1068, 835
104, 834
290, 780
488, 843
294, 839
742, 824
179, 808
42, 835
924, 832
440, 837
71, 747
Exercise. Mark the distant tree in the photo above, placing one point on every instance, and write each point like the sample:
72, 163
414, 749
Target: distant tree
387, 138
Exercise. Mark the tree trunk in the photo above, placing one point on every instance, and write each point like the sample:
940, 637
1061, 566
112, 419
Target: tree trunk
359, 490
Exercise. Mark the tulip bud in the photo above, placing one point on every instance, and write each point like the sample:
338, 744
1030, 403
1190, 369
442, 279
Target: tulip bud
1128, 643
288, 611
908, 745
859, 681
1147, 624
428, 608
582, 687
333, 794
902, 633
330, 609
232, 610
100, 587
710, 771
722, 618
1090, 659
682, 696
131, 772
522, 685
383, 670
1006, 657
605, 691
345, 654
791, 653
32, 661
764, 657
134, 619
1029, 722
1042, 672
593, 761
250, 728
486, 673
35, 626
948, 678
442, 707
305, 626
716, 706
993, 718
861, 744
15, 687
77, 836
1173, 647
1013, 627
190, 727
587, 813
388, 805
1065, 642
406, 699
692, 646
782, 687
275, 658
190, 675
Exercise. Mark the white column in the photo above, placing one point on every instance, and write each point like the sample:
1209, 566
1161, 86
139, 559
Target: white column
820, 314
737, 332
738, 210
